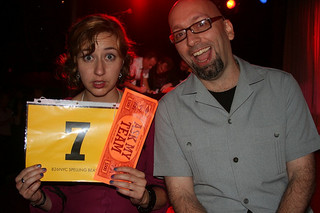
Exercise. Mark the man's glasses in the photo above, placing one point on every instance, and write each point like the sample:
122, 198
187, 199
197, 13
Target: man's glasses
198, 27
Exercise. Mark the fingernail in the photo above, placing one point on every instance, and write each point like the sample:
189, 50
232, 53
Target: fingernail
44, 169
41, 174
112, 176
115, 169
39, 165
111, 181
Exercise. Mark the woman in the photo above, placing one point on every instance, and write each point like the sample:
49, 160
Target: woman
98, 56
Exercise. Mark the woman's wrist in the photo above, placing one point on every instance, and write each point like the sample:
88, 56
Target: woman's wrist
41, 201
151, 200
145, 200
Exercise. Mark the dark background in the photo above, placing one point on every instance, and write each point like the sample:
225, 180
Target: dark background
33, 32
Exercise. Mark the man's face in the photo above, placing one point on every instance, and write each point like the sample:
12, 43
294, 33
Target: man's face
162, 67
204, 52
148, 63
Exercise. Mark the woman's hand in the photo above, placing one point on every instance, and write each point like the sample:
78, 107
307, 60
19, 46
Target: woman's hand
28, 183
131, 182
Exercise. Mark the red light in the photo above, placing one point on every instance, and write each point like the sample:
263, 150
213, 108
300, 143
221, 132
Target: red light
231, 4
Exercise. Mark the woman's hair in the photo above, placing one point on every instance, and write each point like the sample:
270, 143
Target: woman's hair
85, 32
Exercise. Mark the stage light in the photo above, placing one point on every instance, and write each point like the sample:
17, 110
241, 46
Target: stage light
231, 4
263, 1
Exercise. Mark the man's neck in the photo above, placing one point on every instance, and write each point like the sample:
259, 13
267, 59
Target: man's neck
228, 79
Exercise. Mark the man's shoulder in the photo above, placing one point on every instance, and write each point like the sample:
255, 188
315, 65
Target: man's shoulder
253, 70
270, 71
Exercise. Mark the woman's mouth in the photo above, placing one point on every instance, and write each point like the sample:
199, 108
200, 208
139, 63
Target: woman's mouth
98, 84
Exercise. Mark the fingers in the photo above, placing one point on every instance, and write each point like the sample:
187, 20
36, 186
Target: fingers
26, 171
121, 171
29, 175
129, 181
28, 181
31, 192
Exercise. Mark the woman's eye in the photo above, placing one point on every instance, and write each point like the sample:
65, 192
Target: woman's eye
110, 57
87, 57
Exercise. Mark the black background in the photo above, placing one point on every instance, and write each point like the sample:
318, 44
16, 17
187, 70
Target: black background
33, 31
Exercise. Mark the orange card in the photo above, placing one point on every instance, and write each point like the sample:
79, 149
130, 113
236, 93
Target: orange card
127, 135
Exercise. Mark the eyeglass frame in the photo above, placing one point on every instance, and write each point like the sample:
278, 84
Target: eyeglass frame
211, 21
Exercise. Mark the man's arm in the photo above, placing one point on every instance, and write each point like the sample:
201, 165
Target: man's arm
182, 196
145, 83
134, 87
301, 185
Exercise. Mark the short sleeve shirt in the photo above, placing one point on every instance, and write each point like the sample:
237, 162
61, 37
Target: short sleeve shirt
237, 159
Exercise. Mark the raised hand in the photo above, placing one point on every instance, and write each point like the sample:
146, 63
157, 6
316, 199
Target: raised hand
131, 182
28, 183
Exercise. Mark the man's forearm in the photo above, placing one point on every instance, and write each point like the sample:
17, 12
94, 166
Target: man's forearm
186, 203
299, 191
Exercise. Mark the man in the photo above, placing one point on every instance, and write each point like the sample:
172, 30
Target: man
161, 75
139, 72
233, 137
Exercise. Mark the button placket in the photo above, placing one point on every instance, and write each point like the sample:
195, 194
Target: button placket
246, 201
235, 159
229, 121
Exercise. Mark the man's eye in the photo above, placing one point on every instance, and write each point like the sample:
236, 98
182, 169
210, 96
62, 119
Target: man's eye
201, 24
110, 57
179, 35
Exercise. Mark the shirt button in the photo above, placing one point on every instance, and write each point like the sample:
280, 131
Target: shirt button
276, 134
189, 144
229, 121
235, 160
246, 200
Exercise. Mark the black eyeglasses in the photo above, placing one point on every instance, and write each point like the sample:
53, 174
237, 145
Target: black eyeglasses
198, 27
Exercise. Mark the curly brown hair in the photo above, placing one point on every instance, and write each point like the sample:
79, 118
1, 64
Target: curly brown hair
85, 31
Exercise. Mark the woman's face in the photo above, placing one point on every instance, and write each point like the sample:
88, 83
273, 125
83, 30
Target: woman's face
100, 70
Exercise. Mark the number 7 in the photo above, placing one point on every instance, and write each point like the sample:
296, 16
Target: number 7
75, 151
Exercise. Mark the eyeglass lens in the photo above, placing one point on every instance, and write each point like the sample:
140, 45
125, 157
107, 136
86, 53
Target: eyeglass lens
198, 27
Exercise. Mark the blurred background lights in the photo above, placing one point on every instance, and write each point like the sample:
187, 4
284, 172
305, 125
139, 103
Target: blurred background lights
231, 4
263, 1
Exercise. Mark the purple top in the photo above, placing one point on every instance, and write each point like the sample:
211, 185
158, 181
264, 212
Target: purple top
99, 197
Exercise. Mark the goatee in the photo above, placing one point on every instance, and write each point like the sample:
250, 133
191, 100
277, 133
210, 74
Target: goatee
209, 72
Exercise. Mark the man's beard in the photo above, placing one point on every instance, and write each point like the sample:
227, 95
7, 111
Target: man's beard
209, 72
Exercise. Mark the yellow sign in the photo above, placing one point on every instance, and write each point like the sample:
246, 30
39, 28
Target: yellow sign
67, 137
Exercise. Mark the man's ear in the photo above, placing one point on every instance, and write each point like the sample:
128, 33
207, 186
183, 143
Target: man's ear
228, 27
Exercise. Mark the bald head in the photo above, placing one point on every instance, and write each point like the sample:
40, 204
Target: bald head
191, 8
